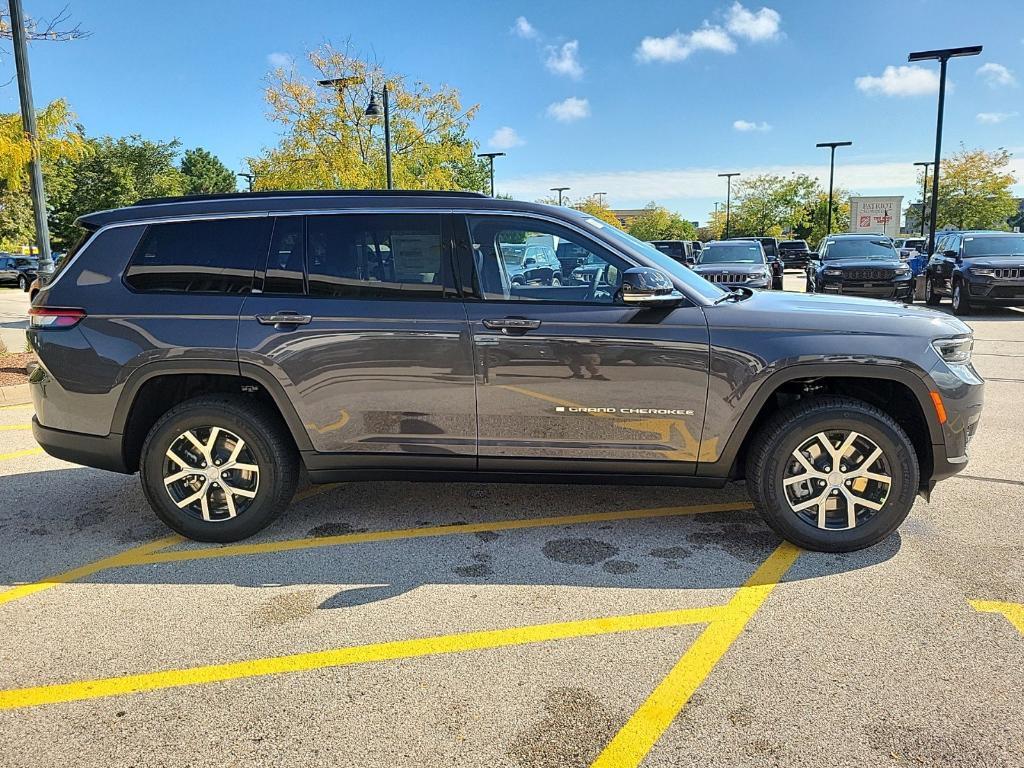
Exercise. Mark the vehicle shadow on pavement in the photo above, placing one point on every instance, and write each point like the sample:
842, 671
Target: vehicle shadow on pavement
87, 515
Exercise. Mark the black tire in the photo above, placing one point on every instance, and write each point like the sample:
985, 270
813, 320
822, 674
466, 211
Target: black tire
777, 284
808, 288
961, 300
771, 452
23, 282
268, 443
556, 280
931, 298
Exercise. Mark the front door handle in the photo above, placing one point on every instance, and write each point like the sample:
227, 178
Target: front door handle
512, 324
284, 318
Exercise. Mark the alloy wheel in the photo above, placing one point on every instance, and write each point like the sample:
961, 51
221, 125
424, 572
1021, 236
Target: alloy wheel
837, 479
211, 473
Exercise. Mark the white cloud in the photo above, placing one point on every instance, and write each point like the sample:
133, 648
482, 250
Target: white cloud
505, 138
901, 81
996, 75
993, 118
747, 125
524, 28
564, 60
762, 25
278, 60
679, 45
569, 110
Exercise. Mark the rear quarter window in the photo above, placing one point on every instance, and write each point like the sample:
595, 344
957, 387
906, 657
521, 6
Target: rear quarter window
203, 256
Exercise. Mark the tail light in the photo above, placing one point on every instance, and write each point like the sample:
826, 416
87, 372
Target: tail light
54, 317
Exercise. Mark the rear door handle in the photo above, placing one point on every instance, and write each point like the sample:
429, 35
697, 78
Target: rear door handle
512, 324
284, 318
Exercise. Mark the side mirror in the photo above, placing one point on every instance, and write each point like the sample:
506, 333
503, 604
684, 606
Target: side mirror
648, 287
529, 261
813, 256
950, 254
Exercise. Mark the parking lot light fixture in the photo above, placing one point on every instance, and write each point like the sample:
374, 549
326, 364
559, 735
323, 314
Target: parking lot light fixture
831, 173
728, 199
373, 109
942, 55
249, 178
924, 190
490, 159
600, 198
560, 190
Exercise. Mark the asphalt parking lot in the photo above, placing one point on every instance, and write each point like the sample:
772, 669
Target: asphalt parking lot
394, 624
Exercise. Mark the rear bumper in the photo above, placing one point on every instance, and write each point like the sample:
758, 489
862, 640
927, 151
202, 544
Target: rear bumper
99, 451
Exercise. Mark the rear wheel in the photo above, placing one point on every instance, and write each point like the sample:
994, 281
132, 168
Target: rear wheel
218, 468
833, 474
931, 298
961, 301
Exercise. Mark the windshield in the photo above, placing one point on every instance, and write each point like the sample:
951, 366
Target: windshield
740, 253
1007, 245
859, 248
663, 262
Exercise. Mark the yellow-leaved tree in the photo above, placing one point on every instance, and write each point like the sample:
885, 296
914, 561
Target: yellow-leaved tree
328, 141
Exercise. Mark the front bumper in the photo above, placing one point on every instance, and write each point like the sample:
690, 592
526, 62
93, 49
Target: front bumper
963, 392
902, 289
99, 451
995, 290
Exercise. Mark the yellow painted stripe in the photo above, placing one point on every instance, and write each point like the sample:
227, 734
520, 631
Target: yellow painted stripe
291, 545
631, 744
15, 427
1014, 612
15, 405
360, 654
19, 454
124, 558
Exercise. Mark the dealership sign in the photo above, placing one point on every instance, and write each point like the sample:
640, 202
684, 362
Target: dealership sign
876, 214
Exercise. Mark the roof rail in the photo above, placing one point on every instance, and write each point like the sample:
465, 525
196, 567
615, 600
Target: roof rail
310, 193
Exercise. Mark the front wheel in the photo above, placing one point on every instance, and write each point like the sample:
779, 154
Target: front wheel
218, 468
931, 298
832, 474
23, 282
961, 302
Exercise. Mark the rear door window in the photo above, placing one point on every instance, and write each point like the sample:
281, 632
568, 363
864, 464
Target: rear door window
201, 256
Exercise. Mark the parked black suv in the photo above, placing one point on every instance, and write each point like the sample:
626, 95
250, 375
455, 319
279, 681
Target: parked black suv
976, 268
218, 344
680, 250
860, 265
18, 270
794, 253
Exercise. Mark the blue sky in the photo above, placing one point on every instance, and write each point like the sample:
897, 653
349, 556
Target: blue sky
644, 101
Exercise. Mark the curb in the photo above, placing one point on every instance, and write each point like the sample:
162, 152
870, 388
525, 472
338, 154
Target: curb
15, 394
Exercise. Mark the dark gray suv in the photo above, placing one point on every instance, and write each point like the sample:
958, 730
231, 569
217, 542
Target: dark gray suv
219, 344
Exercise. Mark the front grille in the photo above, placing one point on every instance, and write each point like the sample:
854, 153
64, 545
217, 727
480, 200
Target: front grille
728, 277
1010, 273
868, 274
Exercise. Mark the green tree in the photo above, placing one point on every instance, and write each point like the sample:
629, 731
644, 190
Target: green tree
205, 174
813, 228
975, 190
115, 173
768, 205
329, 142
597, 209
659, 223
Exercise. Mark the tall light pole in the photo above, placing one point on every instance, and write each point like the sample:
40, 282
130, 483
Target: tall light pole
372, 110
600, 198
728, 199
28, 121
831, 174
560, 190
490, 159
924, 190
943, 55
249, 178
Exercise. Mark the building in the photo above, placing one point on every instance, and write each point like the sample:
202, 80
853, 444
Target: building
626, 215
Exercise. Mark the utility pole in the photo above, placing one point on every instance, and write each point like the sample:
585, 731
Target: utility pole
28, 120
600, 198
728, 199
831, 174
249, 177
943, 55
924, 190
490, 158
560, 190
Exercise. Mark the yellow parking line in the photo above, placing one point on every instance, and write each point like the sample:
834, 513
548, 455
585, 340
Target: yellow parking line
15, 427
124, 558
359, 654
19, 454
1014, 612
631, 744
437, 530
16, 405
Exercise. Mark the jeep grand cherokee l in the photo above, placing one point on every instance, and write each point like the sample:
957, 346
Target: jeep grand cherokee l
734, 263
976, 268
217, 344
860, 265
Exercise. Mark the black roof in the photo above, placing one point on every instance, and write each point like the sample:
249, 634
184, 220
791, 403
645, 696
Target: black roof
301, 200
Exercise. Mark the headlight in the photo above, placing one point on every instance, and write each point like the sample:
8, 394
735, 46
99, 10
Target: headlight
903, 270
833, 273
983, 271
957, 351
